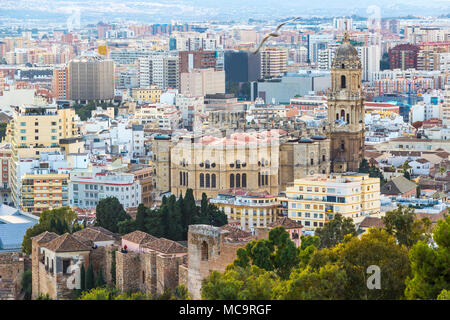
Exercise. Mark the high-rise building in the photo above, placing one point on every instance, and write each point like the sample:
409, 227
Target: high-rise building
343, 24
403, 56
196, 60
346, 109
370, 60
242, 66
91, 77
273, 62
60, 83
36, 130
199, 82
161, 69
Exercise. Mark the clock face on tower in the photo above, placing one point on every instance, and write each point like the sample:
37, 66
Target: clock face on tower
346, 109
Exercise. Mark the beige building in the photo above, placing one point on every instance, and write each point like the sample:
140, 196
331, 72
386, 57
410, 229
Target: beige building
249, 210
151, 94
273, 61
91, 77
315, 199
254, 161
200, 82
36, 130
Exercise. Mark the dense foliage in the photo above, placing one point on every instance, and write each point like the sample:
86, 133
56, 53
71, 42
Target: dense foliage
173, 218
334, 265
59, 221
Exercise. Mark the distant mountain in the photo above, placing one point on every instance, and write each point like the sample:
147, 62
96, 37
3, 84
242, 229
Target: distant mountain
203, 10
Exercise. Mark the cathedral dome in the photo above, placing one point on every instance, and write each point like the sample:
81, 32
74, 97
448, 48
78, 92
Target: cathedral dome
346, 51
346, 56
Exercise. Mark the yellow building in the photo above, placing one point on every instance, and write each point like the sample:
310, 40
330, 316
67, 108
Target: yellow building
36, 130
314, 200
151, 94
248, 209
44, 191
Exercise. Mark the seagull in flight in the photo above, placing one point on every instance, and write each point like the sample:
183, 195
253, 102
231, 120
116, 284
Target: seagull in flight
275, 33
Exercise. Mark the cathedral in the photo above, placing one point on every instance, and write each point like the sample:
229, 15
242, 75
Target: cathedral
346, 110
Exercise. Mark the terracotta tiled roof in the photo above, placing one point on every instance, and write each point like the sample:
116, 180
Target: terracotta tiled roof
235, 234
45, 237
434, 217
165, 246
93, 234
369, 222
139, 237
286, 223
66, 243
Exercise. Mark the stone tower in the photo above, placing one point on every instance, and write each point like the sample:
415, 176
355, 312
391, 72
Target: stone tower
346, 109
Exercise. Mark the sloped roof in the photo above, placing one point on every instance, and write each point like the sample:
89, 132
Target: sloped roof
45, 236
139, 237
286, 223
93, 235
164, 245
235, 234
369, 222
66, 243
398, 185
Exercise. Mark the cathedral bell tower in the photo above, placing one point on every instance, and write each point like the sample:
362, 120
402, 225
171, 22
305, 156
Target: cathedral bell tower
346, 110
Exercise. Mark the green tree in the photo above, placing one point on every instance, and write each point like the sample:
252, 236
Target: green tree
328, 282
364, 166
430, 264
82, 278
109, 212
126, 226
401, 222
97, 294
278, 253
141, 216
237, 283
100, 281
89, 280
307, 241
181, 293
55, 220
26, 284
334, 231
354, 255
444, 295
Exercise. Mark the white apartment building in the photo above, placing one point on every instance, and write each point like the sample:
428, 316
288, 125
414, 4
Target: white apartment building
315, 199
88, 186
161, 69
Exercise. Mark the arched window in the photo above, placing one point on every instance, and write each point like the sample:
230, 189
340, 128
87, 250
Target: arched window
312, 161
231, 180
213, 180
342, 146
181, 178
348, 118
205, 252
343, 66
207, 180
244, 180
259, 179
207, 164
238, 180
343, 84
266, 179
337, 117
342, 114
143, 276
184, 178
187, 179
202, 180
